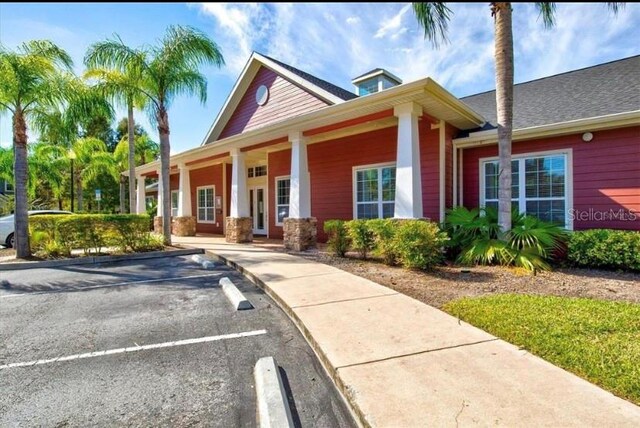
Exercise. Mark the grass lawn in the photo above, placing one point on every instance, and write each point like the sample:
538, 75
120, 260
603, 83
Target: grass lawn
595, 339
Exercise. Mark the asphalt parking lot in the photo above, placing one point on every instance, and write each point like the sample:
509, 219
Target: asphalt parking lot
79, 312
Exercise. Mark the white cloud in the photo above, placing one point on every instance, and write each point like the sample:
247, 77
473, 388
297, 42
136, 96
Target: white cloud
352, 20
390, 25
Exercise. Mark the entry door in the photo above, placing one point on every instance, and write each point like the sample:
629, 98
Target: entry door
258, 209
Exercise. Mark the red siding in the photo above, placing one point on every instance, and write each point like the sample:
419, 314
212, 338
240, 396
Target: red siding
279, 163
429, 166
285, 100
606, 174
450, 131
207, 176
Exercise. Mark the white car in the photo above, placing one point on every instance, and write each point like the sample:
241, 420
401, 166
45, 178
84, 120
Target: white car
7, 225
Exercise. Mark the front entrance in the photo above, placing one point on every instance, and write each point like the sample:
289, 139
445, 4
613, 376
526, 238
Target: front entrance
258, 210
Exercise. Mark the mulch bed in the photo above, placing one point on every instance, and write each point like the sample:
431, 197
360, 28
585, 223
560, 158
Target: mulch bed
448, 283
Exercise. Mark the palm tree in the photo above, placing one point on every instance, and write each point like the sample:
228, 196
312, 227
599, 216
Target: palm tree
30, 79
91, 160
168, 69
434, 18
120, 86
144, 150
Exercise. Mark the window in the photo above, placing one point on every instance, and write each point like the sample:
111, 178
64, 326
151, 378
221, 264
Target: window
283, 185
174, 203
8, 186
206, 210
260, 171
375, 192
539, 186
368, 87
150, 201
250, 172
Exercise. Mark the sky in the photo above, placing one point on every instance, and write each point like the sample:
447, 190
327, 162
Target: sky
336, 42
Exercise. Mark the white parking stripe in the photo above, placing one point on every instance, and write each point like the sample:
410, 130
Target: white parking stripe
118, 284
135, 349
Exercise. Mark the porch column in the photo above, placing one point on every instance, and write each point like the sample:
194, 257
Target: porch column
141, 203
184, 224
300, 228
239, 224
157, 221
408, 200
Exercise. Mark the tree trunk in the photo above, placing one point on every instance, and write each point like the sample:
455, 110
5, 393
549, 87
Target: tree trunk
59, 203
122, 197
504, 106
21, 214
132, 159
165, 163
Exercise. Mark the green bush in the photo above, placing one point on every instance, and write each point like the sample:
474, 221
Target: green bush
419, 244
605, 248
57, 235
338, 241
529, 244
361, 235
384, 231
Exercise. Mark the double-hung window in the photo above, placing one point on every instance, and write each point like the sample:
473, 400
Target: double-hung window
283, 186
539, 185
375, 191
206, 209
174, 203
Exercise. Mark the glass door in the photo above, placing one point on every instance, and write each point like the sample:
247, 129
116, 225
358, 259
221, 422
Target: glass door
258, 209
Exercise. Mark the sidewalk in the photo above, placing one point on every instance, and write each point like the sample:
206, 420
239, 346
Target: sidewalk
401, 363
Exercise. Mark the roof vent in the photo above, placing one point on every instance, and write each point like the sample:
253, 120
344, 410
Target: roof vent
375, 80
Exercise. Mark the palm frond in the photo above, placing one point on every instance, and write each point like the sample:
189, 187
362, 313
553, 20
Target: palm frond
48, 50
185, 46
434, 18
615, 7
547, 12
187, 82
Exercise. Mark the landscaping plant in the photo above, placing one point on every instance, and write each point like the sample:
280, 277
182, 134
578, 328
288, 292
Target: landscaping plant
384, 231
338, 241
418, 244
605, 248
475, 239
361, 235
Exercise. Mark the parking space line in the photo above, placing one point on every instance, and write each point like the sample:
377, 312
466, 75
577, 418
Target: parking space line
135, 349
118, 284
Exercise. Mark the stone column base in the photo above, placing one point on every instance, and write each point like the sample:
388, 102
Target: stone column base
183, 226
157, 224
239, 229
300, 233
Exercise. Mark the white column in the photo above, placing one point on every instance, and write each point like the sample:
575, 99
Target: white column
159, 208
141, 203
239, 194
184, 192
300, 191
408, 202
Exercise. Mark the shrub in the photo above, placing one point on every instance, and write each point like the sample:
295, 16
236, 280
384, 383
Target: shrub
361, 235
338, 238
56, 235
384, 231
605, 248
529, 244
418, 244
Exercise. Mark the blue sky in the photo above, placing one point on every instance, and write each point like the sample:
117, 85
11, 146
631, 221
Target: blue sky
333, 41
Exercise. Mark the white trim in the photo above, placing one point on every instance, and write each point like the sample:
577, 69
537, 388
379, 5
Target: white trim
454, 184
354, 185
275, 194
442, 166
224, 198
461, 162
598, 123
382, 72
177, 192
255, 207
209, 186
568, 180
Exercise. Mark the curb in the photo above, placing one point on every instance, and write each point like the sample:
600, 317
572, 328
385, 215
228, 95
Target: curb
358, 416
99, 259
273, 407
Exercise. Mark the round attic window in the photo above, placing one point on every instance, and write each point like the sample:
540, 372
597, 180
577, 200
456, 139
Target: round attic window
262, 95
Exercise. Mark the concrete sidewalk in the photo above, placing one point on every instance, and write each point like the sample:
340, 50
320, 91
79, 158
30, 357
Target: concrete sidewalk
401, 363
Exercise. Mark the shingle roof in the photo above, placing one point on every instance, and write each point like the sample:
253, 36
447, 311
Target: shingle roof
327, 86
603, 89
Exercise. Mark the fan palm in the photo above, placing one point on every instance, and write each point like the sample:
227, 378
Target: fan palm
168, 69
434, 18
92, 159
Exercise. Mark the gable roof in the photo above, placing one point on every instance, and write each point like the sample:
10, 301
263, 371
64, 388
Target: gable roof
376, 72
322, 89
327, 86
600, 90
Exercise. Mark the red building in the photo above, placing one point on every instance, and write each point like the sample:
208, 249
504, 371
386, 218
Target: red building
289, 149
